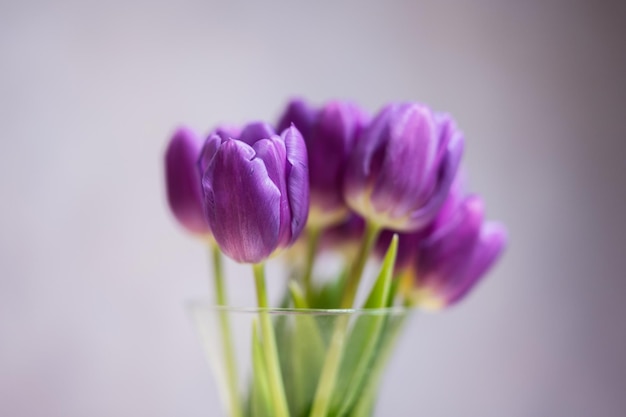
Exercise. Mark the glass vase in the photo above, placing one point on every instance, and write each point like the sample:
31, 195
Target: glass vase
298, 362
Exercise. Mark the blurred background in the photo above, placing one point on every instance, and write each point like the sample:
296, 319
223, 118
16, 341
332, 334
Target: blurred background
94, 271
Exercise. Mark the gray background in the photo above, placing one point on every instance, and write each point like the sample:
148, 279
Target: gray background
94, 271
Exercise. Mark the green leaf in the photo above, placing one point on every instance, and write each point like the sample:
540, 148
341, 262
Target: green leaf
364, 338
297, 295
367, 399
307, 355
378, 297
393, 291
365, 405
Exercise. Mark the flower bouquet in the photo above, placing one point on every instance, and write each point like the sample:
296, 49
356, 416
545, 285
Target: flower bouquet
320, 180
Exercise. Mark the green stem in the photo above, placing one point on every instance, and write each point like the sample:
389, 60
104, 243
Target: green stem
352, 285
312, 243
328, 378
275, 378
220, 289
326, 384
227, 341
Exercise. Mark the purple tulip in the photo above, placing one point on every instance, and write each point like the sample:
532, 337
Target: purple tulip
330, 135
456, 256
401, 170
256, 190
184, 193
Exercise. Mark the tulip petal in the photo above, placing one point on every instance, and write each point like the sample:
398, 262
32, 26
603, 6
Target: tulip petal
447, 129
446, 176
444, 254
297, 180
227, 131
489, 247
362, 166
273, 154
407, 176
242, 203
455, 198
184, 193
209, 149
299, 113
256, 131
331, 141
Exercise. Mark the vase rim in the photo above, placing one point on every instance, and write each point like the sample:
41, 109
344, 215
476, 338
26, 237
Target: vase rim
206, 304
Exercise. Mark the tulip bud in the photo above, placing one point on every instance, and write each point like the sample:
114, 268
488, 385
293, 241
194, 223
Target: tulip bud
456, 255
330, 135
182, 181
402, 167
256, 191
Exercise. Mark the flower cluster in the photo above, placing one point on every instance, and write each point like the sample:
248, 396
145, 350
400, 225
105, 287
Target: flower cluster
331, 176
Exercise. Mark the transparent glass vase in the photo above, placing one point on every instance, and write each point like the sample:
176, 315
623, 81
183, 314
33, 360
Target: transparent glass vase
298, 362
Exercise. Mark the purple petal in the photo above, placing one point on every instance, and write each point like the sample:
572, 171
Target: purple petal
183, 182
447, 129
242, 203
444, 254
209, 149
490, 246
330, 144
256, 131
227, 131
301, 114
456, 196
364, 163
297, 180
408, 171
446, 175
273, 154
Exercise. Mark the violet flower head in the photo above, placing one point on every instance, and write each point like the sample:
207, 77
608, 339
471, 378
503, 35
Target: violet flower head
403, 165
256, 190
330, 135
182, 181
456, 256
